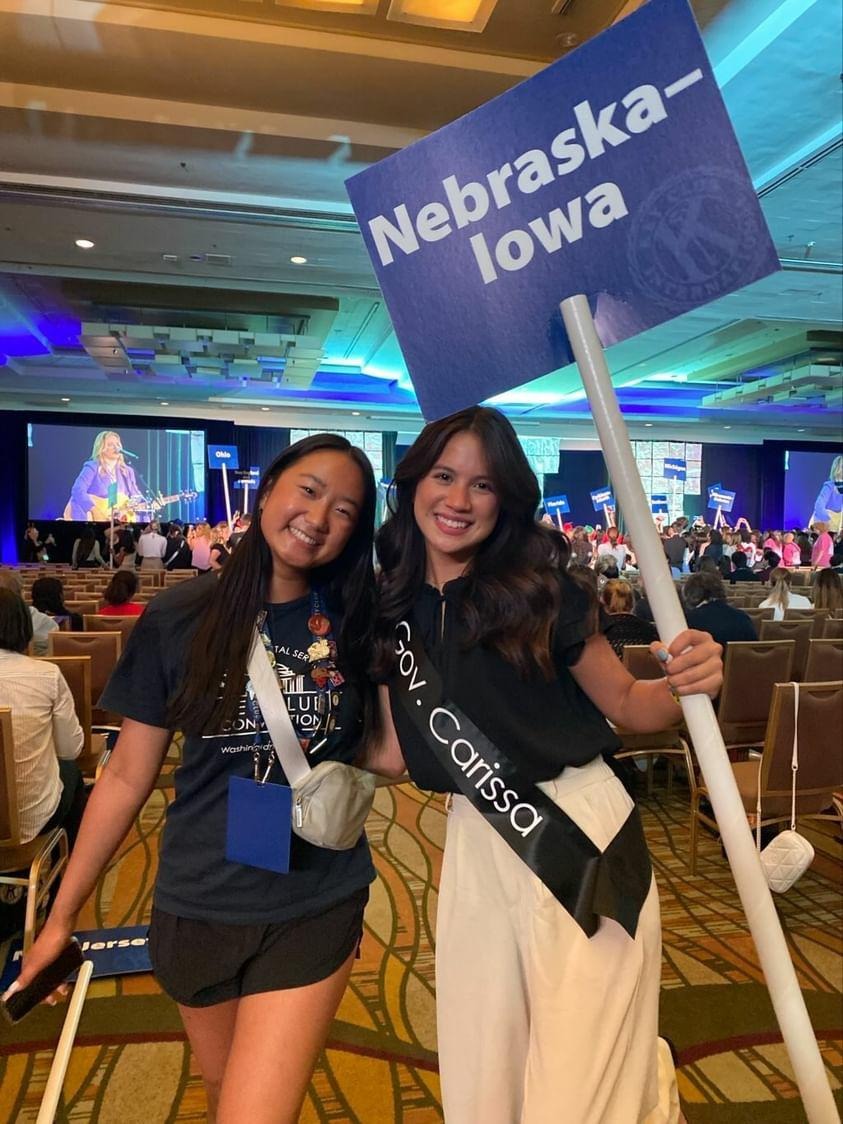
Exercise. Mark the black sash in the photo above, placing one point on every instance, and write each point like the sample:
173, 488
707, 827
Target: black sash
588, 883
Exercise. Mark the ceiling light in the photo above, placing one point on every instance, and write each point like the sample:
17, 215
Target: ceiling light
798, 430
164, 403
727, 427
84, 243
648, 424
65, 399
456, 15
264, 407
298, 260
355, 413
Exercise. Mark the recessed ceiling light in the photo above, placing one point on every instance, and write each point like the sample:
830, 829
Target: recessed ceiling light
65, 399
298, 260
264, 407
164, 403
727, 427
84, 243
648, 424
355, 413
800, 431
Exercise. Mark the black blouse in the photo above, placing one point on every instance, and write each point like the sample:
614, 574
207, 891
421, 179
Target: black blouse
541, 725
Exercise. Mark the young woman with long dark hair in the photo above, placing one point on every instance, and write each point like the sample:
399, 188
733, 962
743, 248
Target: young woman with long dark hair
498, 683
256, 960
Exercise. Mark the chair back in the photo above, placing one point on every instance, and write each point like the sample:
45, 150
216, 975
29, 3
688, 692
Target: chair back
9, 823
122, 624
104, 648
820, 762
800, 577
825, 661
798, 631
751, 670
641, 663
77, 674
833, 629
757, 615
82, 606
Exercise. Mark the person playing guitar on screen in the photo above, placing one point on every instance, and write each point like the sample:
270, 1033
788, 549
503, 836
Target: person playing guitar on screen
107, 467
828, 506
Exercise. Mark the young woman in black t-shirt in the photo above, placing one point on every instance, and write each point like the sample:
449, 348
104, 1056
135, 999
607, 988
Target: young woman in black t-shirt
256, 960
537, 1021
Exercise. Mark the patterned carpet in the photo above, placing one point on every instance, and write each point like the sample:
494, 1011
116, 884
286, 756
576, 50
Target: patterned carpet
132, 1065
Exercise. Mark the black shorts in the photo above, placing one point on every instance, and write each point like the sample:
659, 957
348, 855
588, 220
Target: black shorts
200, 963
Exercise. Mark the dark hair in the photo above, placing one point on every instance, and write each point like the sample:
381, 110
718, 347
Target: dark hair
705, 585
87, 542
126, 541
772, 559
739, 560
219, 651
122, 588
15, 622
715, 538
48, 596
514, 580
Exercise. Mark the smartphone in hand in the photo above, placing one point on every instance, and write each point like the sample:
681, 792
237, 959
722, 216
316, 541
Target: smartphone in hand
20, 1003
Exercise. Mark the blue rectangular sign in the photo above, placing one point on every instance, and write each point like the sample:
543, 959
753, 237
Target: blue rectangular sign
250, 476
614, 172
557, 505
720, 497
674, 468
602, 497
659, 505
219, 455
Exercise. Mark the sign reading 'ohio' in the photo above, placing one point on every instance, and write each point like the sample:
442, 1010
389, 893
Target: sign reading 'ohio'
615, 172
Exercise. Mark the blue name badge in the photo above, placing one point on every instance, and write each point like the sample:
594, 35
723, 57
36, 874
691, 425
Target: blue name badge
259, 827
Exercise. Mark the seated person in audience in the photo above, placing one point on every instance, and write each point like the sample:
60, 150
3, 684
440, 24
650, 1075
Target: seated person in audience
48, 597
118, 596
781, 596
706, 608
618, 599
47, 734
218, 556
42, 625
740, 569
606, 568
772, 561
828, 590
86, 552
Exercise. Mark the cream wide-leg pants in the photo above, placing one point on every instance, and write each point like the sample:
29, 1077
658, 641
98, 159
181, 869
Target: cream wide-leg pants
537, 1023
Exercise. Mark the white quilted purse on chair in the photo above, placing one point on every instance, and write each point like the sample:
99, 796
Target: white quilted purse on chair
790, 854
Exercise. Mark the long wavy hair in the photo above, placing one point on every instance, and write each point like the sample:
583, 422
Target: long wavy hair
513, 593
97, 454
219, 651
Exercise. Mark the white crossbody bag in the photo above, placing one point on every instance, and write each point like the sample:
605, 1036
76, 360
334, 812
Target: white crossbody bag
790, 854
332, 800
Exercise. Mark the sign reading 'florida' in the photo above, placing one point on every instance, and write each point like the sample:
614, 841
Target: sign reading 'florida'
615, 173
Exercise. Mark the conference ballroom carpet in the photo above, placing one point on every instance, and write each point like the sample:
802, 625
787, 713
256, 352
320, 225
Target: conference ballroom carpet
132, 1065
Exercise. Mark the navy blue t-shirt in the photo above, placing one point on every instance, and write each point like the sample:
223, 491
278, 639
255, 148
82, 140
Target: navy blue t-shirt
195, 879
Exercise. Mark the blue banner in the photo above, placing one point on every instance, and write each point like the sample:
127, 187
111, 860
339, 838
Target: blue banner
114, 952
219, 455
602, 497
556, 505
614, 172
674, 469
244, 476
659, 505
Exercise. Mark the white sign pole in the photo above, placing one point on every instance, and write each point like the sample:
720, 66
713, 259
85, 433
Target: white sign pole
246, 484
559, 521
227, 497
755, 895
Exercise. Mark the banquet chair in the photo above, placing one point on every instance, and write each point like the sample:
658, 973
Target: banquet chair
122, 623
825, 661
77, 674
820, 772
750, 670
833, 629
798, 631
104, 648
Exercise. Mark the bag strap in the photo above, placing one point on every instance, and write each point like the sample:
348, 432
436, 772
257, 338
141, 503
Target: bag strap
270, 698
794, 761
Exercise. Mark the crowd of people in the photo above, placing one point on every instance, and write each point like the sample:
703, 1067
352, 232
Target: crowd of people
514, 627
